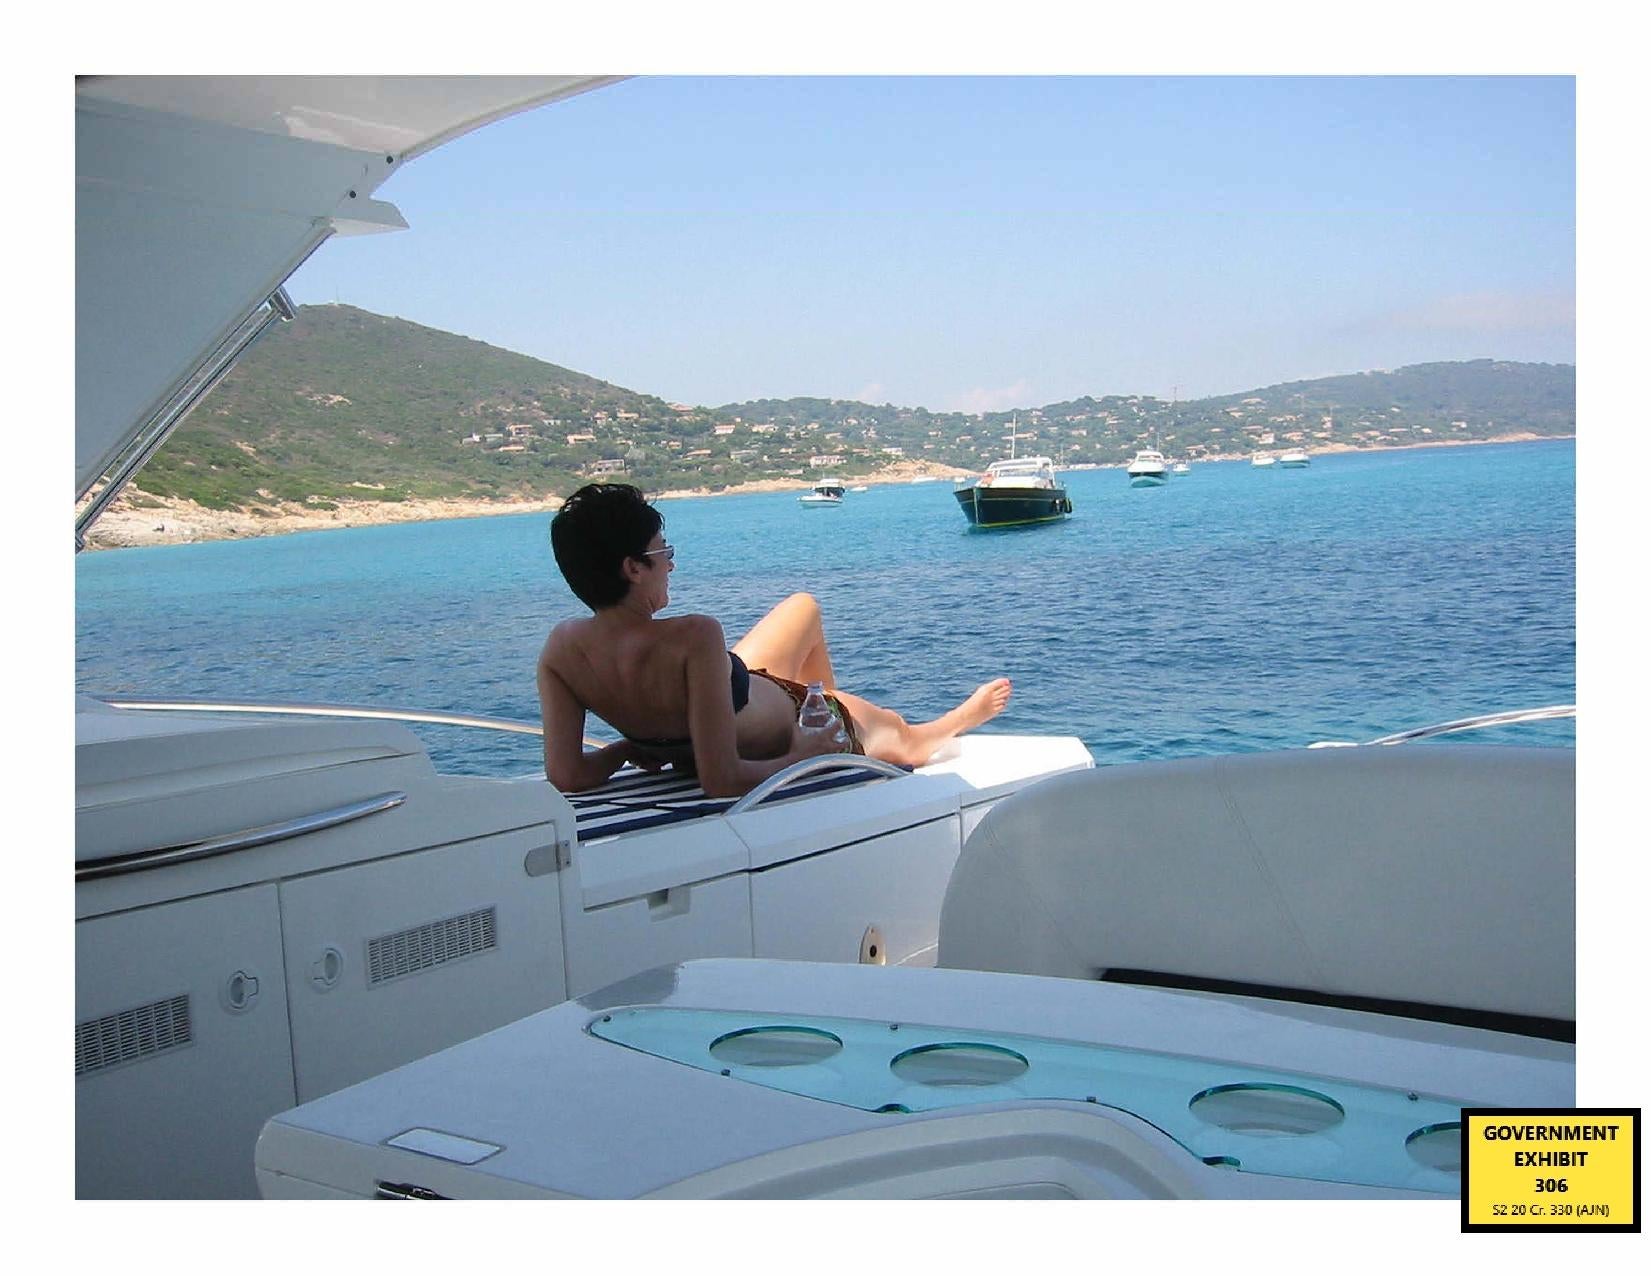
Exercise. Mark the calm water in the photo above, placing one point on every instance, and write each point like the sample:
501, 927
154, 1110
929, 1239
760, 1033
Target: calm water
1233, 609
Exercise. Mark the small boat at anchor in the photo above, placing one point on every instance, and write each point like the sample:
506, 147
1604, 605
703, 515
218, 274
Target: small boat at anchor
1294, 459
826, 492
1263, 459
1148, 469
1014, 492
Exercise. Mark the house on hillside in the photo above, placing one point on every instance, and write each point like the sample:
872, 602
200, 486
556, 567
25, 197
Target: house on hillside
575, 439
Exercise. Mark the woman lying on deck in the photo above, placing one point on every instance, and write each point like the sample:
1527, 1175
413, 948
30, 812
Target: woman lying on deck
674, 689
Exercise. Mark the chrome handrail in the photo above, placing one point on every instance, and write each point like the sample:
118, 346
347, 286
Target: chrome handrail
1477, 723
308, 710
1481, 721
808, 766
196, 385
137, 861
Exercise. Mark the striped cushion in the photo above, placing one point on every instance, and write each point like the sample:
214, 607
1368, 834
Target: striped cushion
635, 799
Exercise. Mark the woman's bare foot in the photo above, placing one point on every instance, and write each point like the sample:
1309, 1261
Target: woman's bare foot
886, 735
988, 700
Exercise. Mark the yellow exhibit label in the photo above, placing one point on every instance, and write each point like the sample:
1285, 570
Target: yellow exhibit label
1555, 1169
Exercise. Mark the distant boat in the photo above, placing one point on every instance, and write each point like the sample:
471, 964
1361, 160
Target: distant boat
825, 492
1295, 459
1263, 458
861, 488
1015, 492
925, 478
1148, 469
1180, 467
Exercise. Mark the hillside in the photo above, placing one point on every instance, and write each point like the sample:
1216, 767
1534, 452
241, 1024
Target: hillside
343, 405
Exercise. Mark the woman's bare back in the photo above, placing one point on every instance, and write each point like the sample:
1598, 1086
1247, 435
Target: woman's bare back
634, 679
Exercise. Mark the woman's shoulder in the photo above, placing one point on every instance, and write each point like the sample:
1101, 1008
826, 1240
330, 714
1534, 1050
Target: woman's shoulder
563, 636
692, 630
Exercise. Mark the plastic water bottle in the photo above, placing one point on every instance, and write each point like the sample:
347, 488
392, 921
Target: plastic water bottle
816, 714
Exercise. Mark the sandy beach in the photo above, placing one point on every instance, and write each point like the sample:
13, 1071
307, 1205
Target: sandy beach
156, 521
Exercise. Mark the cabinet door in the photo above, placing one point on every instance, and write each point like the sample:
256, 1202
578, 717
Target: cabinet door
181, 1049
397, 958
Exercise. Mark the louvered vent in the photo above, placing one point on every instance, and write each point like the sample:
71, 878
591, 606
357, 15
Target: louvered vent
132, 1034
409, 951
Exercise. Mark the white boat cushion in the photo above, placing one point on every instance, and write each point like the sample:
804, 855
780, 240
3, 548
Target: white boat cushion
1438, 874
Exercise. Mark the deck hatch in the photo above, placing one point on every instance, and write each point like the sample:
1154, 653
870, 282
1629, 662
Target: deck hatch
407, 952
129, 1035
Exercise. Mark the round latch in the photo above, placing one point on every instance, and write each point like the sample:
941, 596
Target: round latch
872, 950
240, 991
326, 969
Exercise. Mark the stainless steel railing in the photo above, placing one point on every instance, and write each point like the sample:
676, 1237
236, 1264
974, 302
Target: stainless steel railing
1477, 723
196, 385
299, 708
811, 766
223, 844
761, 793
1480, 722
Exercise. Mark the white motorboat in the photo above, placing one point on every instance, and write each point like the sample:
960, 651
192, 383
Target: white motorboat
1295, 459
1232, 976
1148, 468
276, 901
825, 493
1180, 467
1262, 460
1155, 983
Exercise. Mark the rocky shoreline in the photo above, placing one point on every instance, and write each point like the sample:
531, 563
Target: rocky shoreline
140, 519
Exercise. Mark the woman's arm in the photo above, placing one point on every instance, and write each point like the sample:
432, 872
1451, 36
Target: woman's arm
722, 772
567, 765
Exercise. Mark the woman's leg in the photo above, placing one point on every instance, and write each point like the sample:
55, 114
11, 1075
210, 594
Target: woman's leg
790, 641
885, 734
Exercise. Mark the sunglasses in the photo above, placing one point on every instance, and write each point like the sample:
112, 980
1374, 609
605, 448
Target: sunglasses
669, 551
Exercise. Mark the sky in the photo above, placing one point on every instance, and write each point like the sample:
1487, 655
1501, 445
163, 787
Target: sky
990, 242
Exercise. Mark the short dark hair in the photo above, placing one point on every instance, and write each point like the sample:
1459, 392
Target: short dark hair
595, 531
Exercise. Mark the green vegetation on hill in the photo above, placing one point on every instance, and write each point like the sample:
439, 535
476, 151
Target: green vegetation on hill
344, 404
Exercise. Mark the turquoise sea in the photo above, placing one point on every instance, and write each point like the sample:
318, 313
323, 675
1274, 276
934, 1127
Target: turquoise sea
1234, 609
